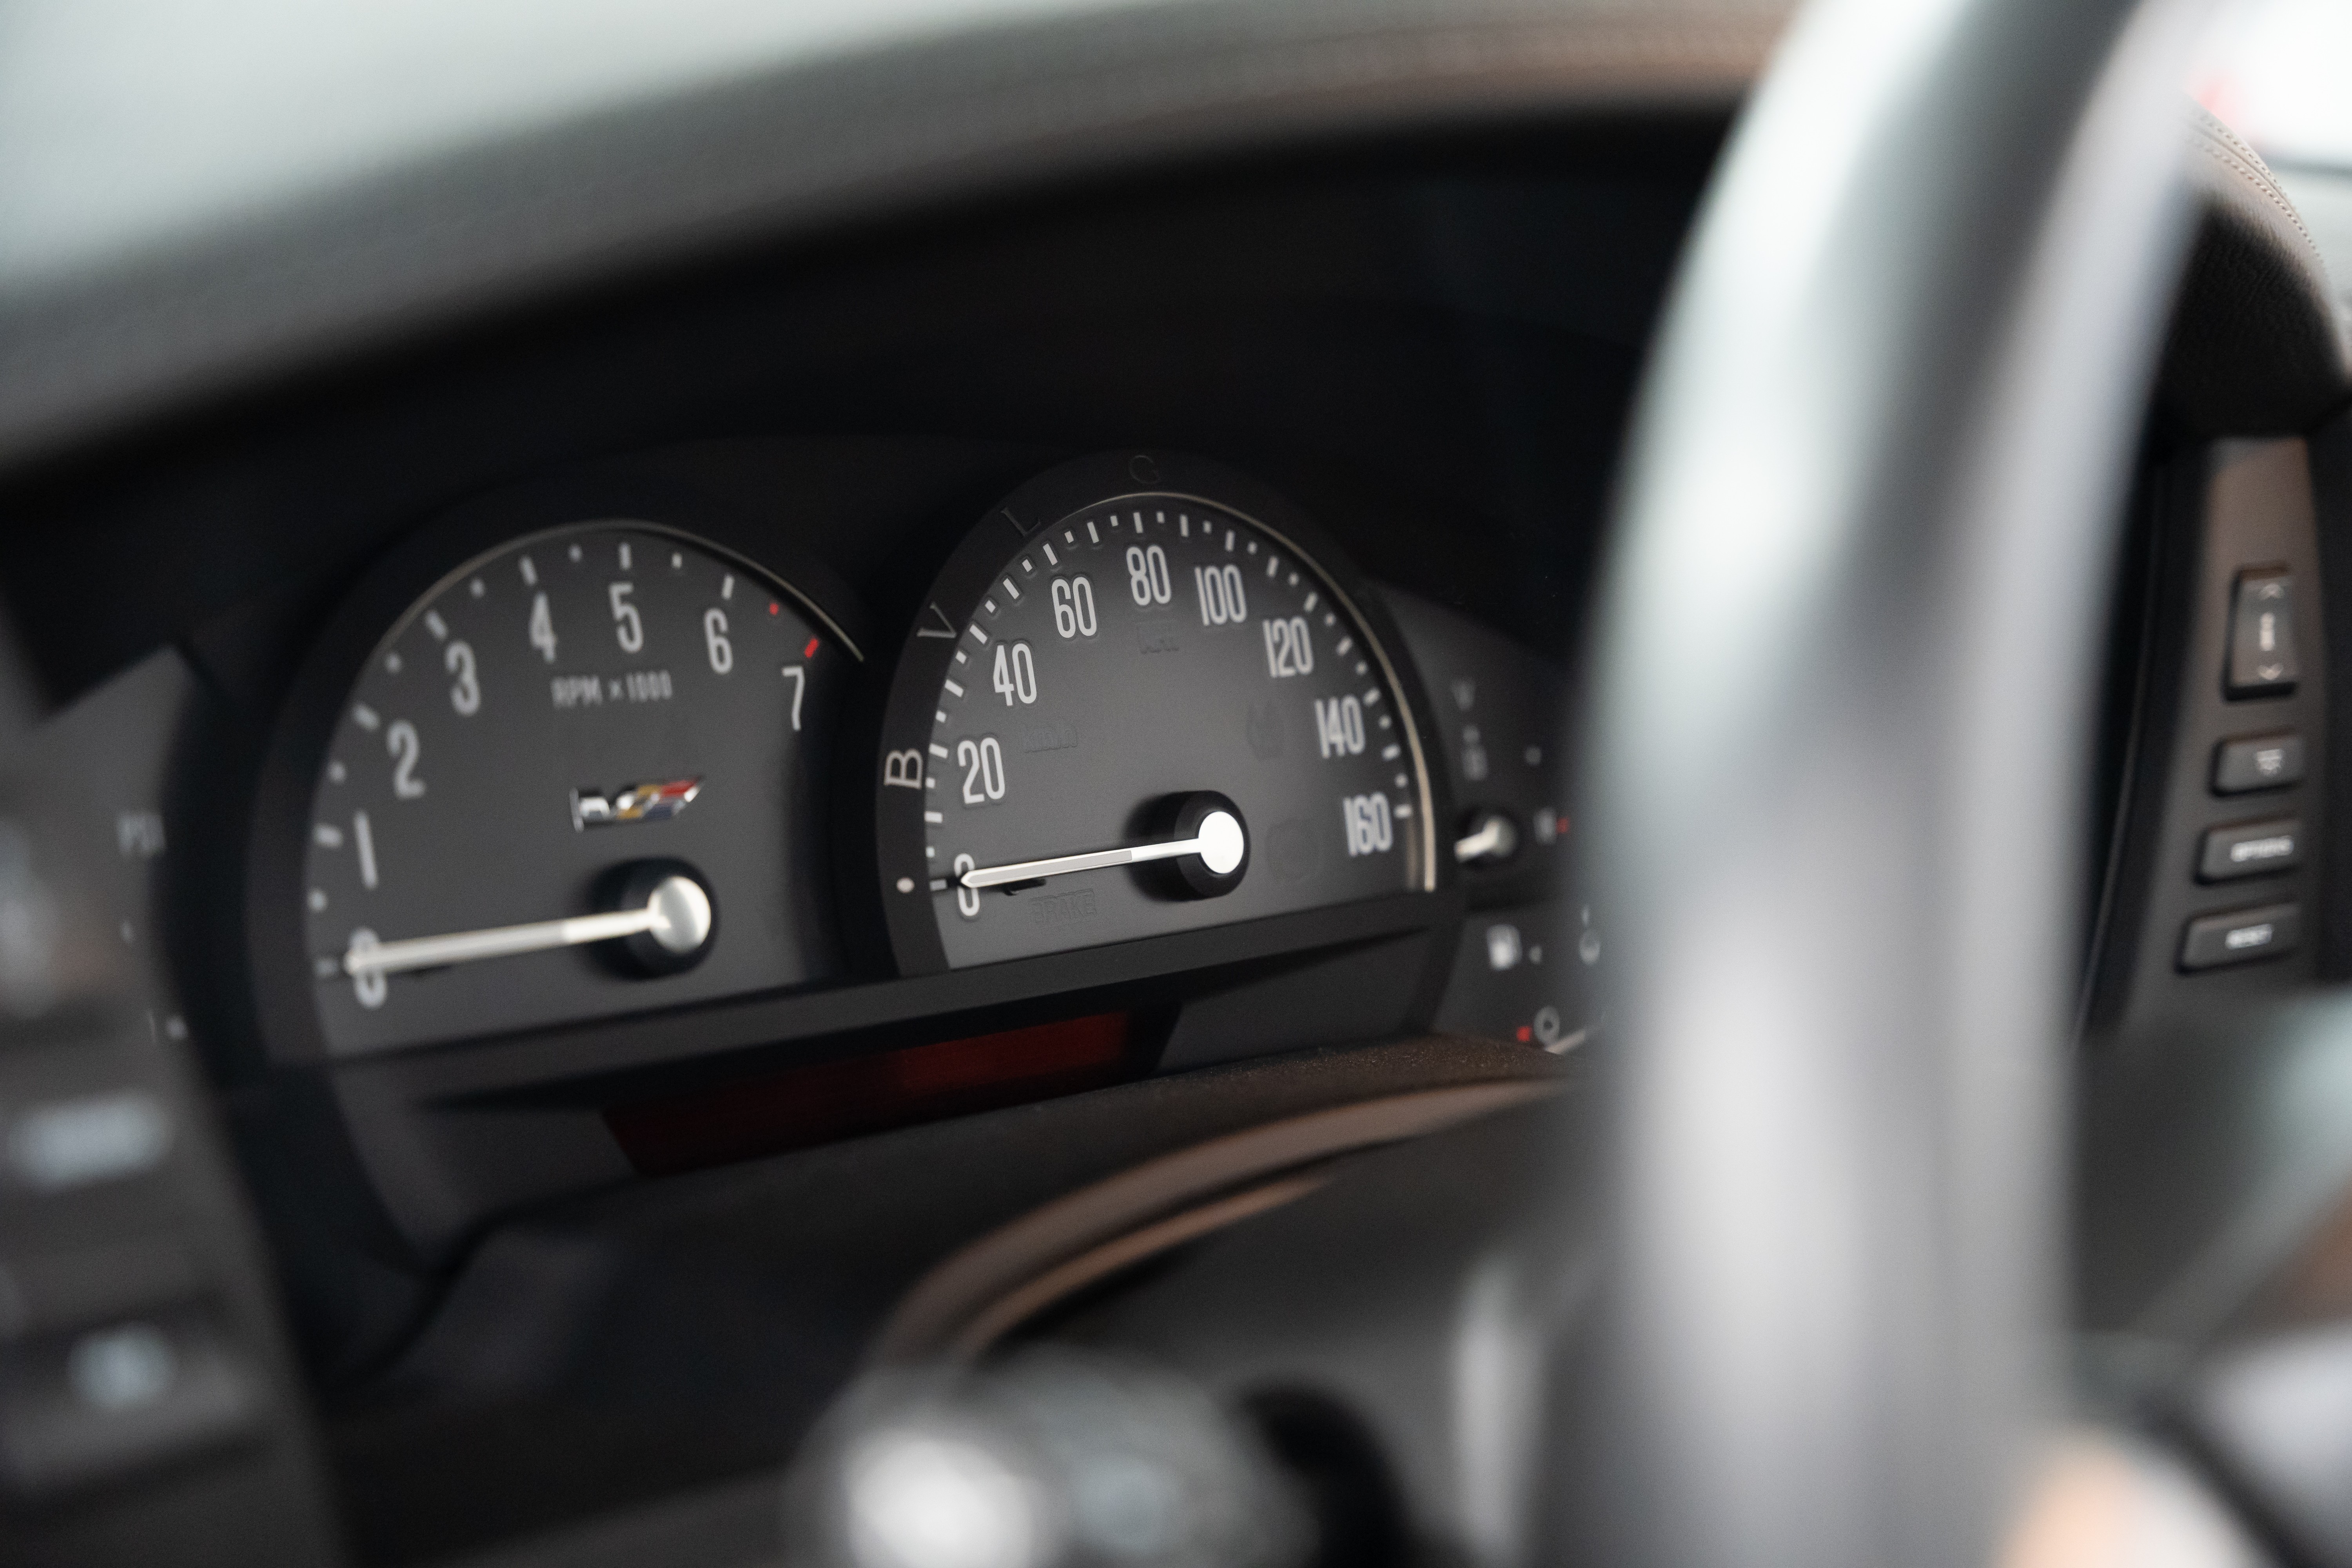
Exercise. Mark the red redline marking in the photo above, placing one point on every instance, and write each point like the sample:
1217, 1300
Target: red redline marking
810, 651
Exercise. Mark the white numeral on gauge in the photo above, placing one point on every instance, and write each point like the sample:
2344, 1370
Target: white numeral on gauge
1339, 726
368, 985
1073, 607
628, 627
1016, 673
1223, 603
466, 691
1288, 651
406, 748
721, 651
982, 762
1370, 829
967, 898
542, 627
1147, 574
799, 678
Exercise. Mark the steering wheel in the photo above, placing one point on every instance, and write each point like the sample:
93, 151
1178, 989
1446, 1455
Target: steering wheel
1846, 663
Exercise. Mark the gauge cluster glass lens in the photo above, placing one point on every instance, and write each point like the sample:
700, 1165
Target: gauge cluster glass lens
1147, 712
581, 775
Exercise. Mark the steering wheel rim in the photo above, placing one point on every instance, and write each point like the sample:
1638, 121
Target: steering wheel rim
1846, 659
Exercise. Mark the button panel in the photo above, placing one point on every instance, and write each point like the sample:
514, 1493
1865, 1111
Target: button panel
2222, 829
143, 1386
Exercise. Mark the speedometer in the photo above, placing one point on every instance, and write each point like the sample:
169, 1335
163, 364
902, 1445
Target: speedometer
581, 774
1139, 701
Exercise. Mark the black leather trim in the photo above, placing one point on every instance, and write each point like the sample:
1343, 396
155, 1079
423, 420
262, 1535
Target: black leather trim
818, 145
2254, 348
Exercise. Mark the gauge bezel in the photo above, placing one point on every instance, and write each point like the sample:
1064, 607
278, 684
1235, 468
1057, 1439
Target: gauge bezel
1050, 500
380, 606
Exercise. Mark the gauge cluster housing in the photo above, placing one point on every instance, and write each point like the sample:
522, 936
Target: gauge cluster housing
452, 1132
459, 1128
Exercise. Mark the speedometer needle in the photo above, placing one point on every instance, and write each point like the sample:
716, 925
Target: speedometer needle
1217, 839
675, 915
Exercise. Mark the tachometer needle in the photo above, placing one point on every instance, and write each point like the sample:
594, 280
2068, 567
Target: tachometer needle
1218, 840
676, 914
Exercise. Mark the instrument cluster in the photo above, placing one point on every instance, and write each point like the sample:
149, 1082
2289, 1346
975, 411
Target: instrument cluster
544, 770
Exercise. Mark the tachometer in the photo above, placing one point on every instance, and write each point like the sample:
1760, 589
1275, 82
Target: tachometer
582, 774
1137, 702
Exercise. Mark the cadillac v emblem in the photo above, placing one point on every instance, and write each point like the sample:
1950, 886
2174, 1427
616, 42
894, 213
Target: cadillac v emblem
639, 803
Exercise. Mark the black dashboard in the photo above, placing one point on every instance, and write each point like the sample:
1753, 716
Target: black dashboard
662, 817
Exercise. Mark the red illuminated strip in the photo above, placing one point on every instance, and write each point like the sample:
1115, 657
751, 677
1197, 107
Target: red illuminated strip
833, 1100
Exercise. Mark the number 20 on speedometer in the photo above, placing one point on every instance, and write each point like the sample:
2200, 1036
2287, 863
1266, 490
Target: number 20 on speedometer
1140, 699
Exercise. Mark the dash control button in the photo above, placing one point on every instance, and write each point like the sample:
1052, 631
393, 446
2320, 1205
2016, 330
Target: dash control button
2261, 634
2257, 761
114, 1397
2240, 936
78, 1142
2250, 849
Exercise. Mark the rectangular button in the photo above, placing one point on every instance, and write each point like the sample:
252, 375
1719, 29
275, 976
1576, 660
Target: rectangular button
2261, 634
59, 1144
2240, 936
2250, 849
76, 1407
2246, 762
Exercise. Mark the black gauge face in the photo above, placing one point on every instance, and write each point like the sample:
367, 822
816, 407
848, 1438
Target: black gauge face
582, 775
1131, 707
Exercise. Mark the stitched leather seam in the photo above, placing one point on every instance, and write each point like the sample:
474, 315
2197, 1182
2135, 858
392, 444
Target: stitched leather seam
2229, 149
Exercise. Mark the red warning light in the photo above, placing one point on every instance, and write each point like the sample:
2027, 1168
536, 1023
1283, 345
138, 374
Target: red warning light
773, 608
1526, 1034
810, 651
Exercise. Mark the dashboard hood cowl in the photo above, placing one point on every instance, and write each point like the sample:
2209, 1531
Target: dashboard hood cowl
417, 225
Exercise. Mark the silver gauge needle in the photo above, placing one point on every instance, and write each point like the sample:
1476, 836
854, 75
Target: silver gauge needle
1491, 839
677, 915
1219, 842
